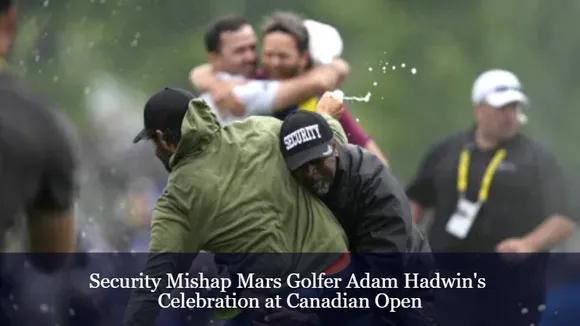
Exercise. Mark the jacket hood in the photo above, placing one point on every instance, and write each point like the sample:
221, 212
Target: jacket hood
198, 129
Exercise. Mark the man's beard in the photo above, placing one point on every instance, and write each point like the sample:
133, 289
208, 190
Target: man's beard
321, 188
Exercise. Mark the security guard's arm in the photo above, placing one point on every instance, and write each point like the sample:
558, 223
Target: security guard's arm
172, 249
384, 218
554, 191
380, 230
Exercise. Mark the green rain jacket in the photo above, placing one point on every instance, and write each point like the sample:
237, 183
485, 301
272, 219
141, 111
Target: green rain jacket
229, 192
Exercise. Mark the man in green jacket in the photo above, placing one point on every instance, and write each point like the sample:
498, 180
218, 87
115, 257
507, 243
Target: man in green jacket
229, 192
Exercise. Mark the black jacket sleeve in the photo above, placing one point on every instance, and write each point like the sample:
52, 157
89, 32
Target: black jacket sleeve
384, 221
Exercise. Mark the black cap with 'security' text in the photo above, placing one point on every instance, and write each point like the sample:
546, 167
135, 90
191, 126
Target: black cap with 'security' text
305, 136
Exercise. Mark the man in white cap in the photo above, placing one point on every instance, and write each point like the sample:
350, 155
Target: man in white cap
493, 189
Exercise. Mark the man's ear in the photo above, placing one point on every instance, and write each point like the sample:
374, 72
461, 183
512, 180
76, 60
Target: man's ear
163, 142
160, 141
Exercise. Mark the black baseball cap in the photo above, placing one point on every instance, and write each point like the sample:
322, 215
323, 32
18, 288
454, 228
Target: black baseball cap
164, 111
305, 136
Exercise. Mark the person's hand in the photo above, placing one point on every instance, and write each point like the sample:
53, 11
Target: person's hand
515, 246
288, 317
341, 66
201, 77
220, 92
515, 249
330, 105
224, 98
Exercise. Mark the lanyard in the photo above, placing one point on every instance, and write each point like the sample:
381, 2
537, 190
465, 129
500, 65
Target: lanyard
490, 170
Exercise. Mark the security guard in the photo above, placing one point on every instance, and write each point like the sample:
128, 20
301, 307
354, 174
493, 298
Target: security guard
492, 188
370, 205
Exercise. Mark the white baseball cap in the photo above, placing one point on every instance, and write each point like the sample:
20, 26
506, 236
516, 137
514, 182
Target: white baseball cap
325, 42
498, 88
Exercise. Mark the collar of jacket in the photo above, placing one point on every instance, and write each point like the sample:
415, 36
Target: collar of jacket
199, 128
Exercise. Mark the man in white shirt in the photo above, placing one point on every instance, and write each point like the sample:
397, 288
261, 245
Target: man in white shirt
231, 45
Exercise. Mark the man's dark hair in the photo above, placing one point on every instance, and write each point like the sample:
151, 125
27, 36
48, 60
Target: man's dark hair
288, 23
229, 23
4, 5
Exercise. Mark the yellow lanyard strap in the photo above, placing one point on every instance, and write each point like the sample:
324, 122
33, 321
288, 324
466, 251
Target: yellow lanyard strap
463, 170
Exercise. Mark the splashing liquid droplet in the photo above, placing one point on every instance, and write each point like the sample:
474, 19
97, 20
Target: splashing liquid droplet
366, 98
413, 71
